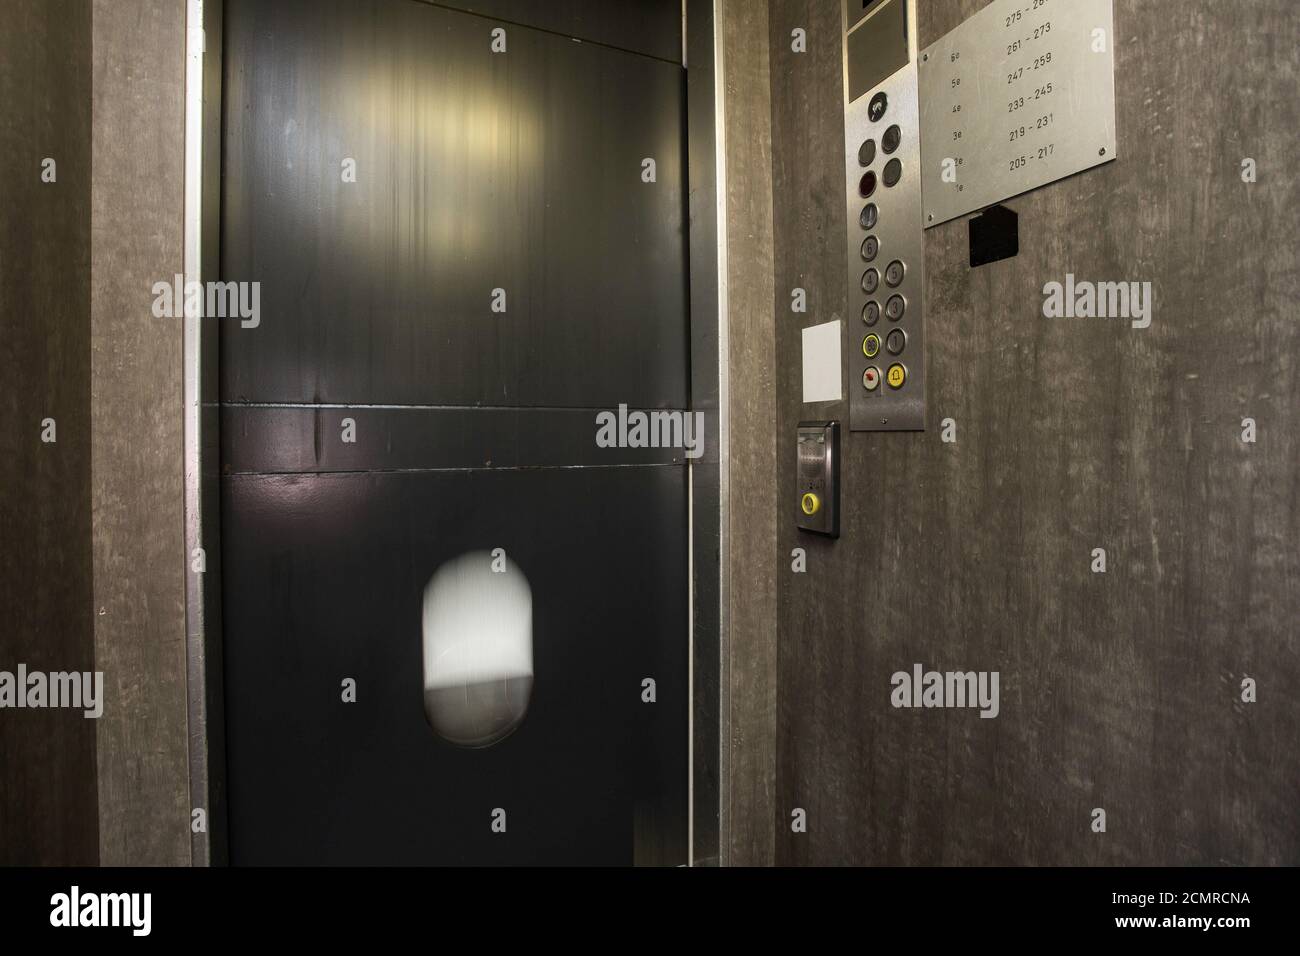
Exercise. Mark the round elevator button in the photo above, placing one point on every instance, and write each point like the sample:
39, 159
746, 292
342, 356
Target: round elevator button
889, 142
896, 375
867, 184
871, 346
869, 216
871, 378
870, 281
810, 504
870, 246
895, 307
893, 172
867, 153
871, 312
896, 341
877, 107
894, 273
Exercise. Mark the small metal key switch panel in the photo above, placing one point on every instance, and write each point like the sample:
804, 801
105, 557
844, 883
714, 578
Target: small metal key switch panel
817, 483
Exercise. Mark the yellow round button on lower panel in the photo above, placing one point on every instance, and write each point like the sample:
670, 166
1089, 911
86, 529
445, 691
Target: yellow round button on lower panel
811, 504
896, 376
871, 346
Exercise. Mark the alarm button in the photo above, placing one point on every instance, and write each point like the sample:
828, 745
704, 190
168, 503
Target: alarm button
896, 376
810, 504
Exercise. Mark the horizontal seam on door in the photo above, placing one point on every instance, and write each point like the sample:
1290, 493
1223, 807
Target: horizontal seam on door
451, 470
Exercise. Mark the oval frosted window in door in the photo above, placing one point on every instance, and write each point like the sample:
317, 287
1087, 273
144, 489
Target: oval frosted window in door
478, 648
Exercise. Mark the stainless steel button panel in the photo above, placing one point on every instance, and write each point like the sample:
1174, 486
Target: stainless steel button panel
882, 163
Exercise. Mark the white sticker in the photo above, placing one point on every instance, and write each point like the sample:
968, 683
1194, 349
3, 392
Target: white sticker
821, 363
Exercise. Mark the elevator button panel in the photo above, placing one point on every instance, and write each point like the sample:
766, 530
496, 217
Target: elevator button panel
817, 478
882, 163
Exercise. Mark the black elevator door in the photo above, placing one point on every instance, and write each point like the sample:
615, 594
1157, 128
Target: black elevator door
460, 263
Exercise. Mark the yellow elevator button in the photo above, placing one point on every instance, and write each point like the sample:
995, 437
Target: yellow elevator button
871, 346
896, 376
811, 504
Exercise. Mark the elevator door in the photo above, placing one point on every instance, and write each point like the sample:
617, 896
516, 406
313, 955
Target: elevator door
462, 256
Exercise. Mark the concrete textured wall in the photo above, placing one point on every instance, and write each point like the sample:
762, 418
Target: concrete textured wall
750, 761
47, 757
1119, 690
139, 546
